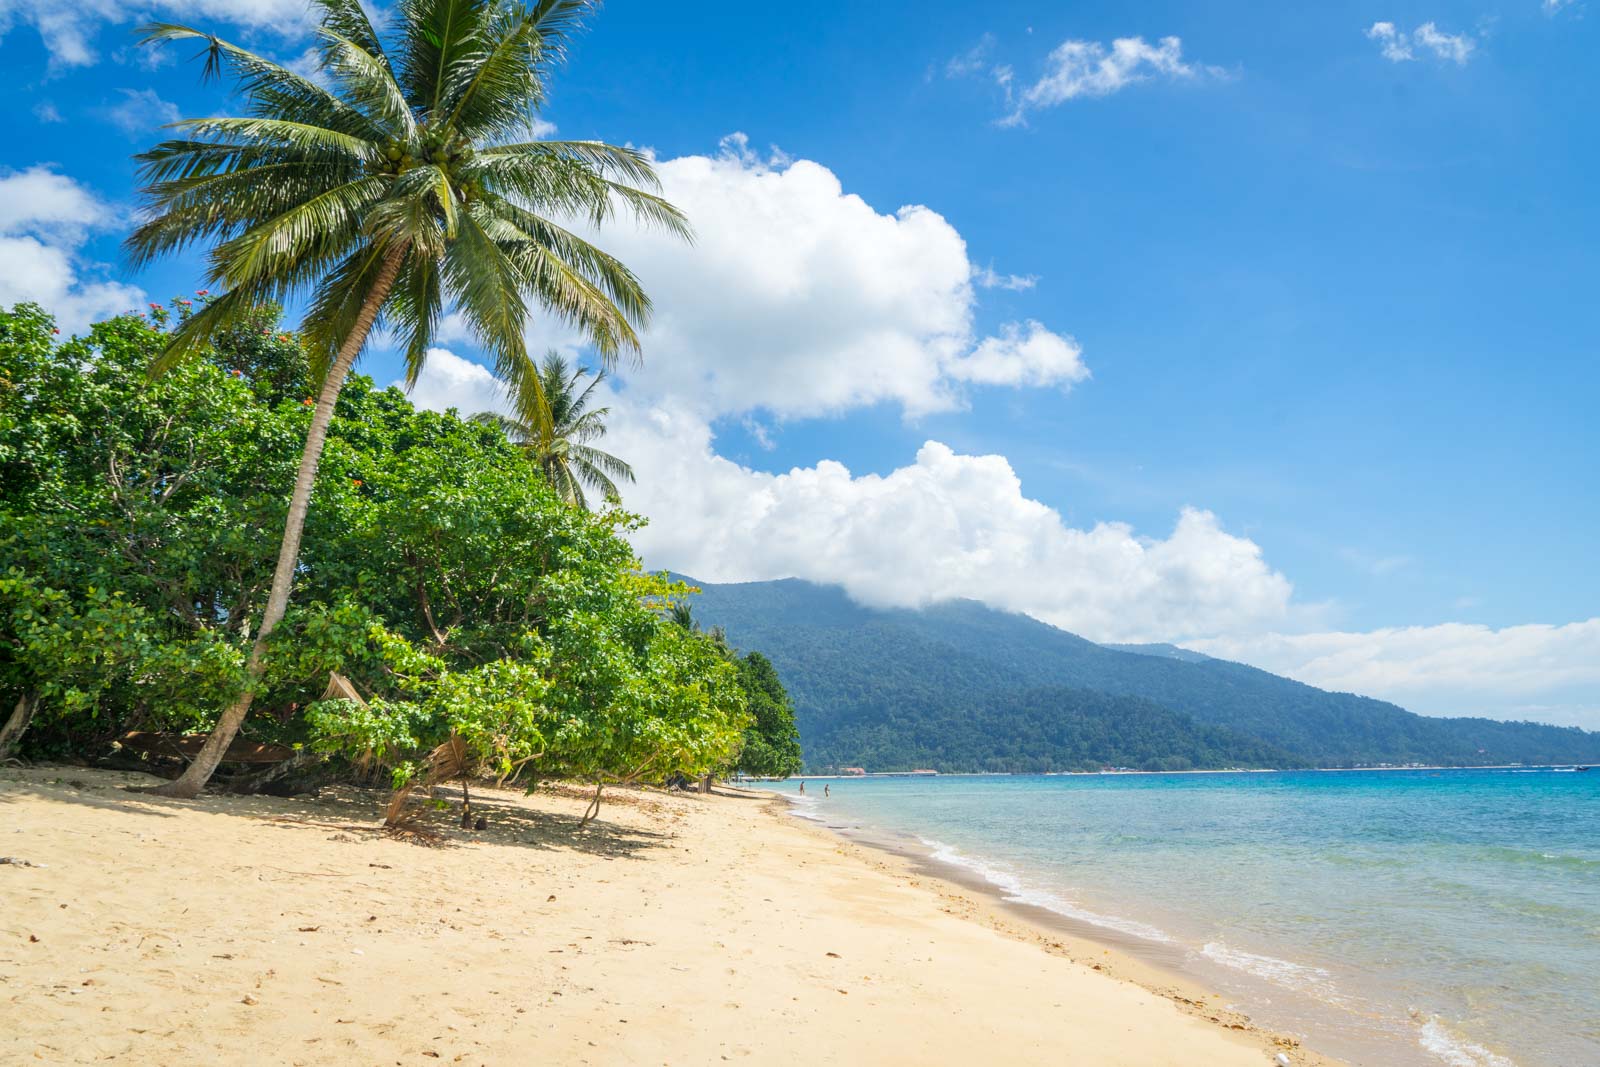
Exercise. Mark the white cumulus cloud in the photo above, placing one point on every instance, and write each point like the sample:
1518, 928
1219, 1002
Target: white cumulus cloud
1022, 355
946, 525
801, 299
45, 220
1088, 69
1398, 46
448, 381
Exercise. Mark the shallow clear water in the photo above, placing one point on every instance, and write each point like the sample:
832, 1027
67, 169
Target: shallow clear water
1397, 917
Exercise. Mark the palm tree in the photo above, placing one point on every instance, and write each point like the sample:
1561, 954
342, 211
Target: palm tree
561, 441
682, 615
386, 190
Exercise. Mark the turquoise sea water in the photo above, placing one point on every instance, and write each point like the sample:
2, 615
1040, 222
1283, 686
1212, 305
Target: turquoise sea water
1391, 917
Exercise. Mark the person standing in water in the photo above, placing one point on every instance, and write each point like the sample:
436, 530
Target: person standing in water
802, 789
825, 788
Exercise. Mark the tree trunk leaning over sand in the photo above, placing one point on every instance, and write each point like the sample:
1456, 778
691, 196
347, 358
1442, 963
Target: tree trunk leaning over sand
17, 724
198, 773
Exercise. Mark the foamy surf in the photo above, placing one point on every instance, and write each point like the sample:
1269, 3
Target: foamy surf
1454, 1050
1297, 976
803, 807
1014, 890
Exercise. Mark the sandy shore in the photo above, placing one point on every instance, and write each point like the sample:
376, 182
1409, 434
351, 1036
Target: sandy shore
676, 929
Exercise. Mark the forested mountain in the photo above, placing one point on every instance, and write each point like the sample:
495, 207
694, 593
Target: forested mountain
960, 686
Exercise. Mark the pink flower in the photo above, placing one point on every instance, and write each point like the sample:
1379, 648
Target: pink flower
202, 292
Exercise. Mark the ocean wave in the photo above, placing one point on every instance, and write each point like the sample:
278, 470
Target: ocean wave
803, 807
1455, 1050
1015, 890
1298, 976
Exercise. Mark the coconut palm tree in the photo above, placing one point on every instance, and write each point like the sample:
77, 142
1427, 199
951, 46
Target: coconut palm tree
560, 442
394, 184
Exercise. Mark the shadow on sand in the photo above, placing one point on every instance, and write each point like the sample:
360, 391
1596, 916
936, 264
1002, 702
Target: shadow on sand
358, 812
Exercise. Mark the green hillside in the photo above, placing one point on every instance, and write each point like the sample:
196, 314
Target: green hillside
959, 686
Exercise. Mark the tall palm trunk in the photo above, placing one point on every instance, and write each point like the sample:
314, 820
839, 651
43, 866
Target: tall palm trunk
199, 772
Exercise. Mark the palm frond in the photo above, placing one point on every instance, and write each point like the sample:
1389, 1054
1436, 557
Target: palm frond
368, 81
273, 88
609, 161
602, 464
348, 19
494, 92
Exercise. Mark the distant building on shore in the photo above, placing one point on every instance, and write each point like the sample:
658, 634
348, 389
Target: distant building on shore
860, 771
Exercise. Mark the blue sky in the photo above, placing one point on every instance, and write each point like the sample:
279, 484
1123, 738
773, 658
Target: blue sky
1322, 274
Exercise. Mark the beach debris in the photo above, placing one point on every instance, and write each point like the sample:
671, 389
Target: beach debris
18, 861
834, 956
33, 939
1281, 1060
309, 929
248, 1000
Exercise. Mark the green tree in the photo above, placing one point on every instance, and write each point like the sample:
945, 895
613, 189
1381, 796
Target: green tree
481, 622
771, 745
394, 192
562, 442
130, 518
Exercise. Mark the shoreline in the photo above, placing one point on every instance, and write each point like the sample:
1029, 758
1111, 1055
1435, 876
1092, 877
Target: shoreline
1193, 770
677, 927
1154, 966
1338, 1030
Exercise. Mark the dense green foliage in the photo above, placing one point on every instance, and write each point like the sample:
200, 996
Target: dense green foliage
891, 689
1036, 731
463, 599
772, 741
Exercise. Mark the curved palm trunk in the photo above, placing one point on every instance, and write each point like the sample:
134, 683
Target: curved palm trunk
199, 772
